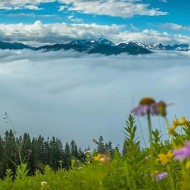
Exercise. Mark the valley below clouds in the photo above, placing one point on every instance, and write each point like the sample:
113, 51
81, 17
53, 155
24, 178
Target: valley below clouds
77, 96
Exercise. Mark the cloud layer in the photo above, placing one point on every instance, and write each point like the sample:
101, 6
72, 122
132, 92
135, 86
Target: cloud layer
117, 8
54, 33
39, 33
80, 97
22, 4
175, 26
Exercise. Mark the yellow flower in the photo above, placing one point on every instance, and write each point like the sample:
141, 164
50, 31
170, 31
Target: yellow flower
97, 157
164, 158
104, 158
188, 164
172, 131
175, 122
156, 172
181, 122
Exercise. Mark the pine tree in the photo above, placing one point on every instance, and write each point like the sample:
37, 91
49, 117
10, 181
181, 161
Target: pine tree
101, 147
2, 158
74, 149
55, 153
10, 151
67, 157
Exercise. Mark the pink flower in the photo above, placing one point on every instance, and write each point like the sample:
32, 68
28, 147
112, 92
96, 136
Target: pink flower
161, 176
146, 109
182, 153
146, 106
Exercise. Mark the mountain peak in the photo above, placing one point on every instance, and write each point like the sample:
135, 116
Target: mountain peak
104, 41
77, 42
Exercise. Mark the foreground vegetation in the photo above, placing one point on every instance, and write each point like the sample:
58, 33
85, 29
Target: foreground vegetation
162, 165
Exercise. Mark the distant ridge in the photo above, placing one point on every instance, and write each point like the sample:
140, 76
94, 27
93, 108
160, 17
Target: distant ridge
101, 46
14, 46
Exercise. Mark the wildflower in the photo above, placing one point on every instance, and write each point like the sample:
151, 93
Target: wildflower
88, 152
175, 122
43, 183
161, 106
160, 175
104, 158
97, 157
147, 101
181, 122
172, 131
146, 106
164, 158
149, 106
182, 153
187, 165
148, 157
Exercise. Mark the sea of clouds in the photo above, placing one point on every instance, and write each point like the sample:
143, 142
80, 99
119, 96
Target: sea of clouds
77, 96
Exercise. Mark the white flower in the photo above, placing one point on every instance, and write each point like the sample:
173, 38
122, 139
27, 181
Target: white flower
43, 183
147, 157
88, 152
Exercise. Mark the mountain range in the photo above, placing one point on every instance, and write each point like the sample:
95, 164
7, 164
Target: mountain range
101, 46
14, 46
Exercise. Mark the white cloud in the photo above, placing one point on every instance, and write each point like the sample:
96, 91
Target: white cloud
33, 15
39, 33
119, 8
74, 19
81, 97
153, 36
22, 4
133, 27
62, 8
175, 26
33, 7
164, 1
55, 33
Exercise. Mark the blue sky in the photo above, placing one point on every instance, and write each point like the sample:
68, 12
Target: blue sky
38, 22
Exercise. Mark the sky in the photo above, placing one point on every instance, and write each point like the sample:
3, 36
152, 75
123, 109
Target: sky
39, 22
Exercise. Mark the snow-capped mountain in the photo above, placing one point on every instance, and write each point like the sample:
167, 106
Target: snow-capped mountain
101, 46
159, 46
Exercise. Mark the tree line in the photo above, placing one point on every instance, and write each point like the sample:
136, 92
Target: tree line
39, 152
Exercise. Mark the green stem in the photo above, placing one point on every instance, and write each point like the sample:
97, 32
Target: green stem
150, 129
151, 147
170, 137
171, 181
167, 122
